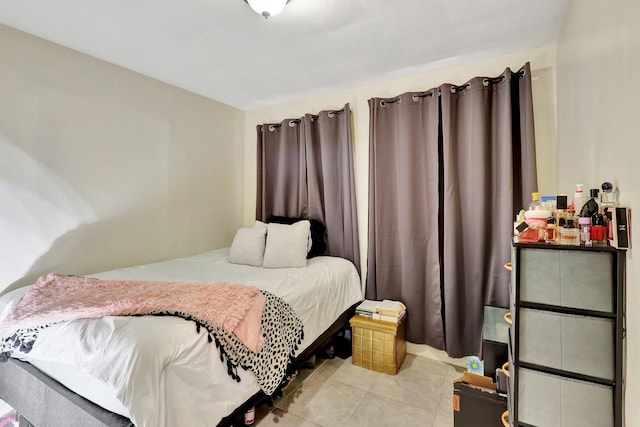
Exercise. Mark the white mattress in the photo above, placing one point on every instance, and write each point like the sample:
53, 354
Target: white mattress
158, 371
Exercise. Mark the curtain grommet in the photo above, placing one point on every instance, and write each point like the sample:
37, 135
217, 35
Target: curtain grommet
385, 102
418, 96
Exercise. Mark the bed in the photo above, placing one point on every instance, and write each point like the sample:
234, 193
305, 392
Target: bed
158, 371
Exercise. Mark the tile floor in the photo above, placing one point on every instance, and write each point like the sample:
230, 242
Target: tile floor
336, 393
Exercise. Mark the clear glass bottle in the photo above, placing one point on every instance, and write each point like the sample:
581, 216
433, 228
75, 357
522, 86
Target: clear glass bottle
535, 204
585, 231
527, 234
610, 195
548, 203
569, 234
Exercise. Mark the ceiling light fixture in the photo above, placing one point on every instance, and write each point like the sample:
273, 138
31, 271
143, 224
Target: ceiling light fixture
267, 8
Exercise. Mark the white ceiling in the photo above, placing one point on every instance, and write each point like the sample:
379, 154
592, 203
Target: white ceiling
223, 50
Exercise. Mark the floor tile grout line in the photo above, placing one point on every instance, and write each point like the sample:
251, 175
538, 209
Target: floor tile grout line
435, 414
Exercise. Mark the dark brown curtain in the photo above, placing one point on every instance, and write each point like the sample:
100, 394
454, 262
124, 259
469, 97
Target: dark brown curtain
489, 172
403, 257
305, 169
331, 180
443, 192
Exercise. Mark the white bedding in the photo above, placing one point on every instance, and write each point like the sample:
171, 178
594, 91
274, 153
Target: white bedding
158, 371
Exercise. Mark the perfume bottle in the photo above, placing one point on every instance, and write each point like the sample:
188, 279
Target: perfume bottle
561, 210
610, 195
585, 231
551, 233
527, 234
598, 230
569, 234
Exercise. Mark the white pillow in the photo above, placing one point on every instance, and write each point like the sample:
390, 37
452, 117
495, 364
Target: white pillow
309, 240
248, 246
286, 245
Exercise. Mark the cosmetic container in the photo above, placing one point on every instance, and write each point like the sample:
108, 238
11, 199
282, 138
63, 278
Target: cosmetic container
569, 234
610, 196
535, 204
585, 231
598, 230
579, 199
551, 232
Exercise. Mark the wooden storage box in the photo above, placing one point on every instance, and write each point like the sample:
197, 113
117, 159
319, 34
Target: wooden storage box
378, 345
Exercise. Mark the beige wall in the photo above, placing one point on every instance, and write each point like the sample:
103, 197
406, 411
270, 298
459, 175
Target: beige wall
543, 75
101, 167
598, 129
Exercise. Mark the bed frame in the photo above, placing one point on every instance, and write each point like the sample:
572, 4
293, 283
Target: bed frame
41, 401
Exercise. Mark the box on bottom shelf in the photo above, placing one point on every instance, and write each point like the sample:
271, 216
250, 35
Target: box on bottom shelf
476, 403
378, 345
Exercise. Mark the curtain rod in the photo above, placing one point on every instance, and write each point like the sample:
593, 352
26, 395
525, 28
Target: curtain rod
292, 123
486, 82
415, 97
331, 114
489, 80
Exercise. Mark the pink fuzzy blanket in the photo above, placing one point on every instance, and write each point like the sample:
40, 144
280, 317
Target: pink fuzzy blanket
54, 298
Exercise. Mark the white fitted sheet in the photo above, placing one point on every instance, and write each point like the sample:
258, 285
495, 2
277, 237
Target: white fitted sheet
158, 371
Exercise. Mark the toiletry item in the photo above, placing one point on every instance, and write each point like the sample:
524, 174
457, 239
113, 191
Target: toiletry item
537, 219
551, 233
579, 199
561, 209
250, 416
610, 195
595, 194
518, 220
590, 207
561, 202
621, 220
598, 230
536, 214
548, 203
585, 231
535, 202
607, 211
569, 234
526, 234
